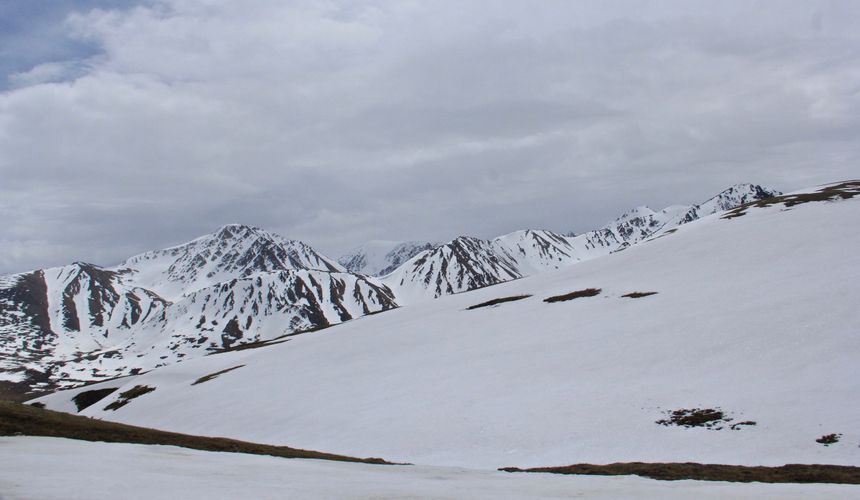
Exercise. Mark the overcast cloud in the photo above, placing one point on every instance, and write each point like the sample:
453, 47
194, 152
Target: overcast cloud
131, 126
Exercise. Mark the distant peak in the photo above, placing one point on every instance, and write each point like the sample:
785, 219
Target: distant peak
746, 187
230, 230
85, 265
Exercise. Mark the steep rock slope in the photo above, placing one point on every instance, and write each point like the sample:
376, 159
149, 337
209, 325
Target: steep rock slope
754, 316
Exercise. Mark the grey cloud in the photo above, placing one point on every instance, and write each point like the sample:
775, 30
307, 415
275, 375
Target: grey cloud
337, 122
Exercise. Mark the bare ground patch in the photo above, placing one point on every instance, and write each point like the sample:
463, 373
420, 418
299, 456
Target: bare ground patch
828, 439
18, 419
207, 378
126, 397
587, 292
498, 301
85, 399
790, 473
638, 295
709, 418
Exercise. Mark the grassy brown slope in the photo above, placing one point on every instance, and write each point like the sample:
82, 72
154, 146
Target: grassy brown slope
791, 473
17, 419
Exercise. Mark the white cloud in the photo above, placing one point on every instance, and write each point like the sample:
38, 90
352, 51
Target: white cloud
45, 73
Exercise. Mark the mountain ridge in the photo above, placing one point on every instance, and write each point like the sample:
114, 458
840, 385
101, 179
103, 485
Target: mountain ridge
77, 323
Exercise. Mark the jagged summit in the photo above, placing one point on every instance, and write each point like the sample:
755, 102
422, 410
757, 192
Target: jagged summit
464, 263
235, 250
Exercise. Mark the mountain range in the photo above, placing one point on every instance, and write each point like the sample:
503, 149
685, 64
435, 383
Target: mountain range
729, 339
241, 286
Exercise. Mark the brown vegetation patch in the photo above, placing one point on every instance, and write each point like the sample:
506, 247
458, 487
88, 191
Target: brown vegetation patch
126, 397
829, 439
85, 399
638, 295
501, 300
791, 473
588, 292
842, 191
17, 419
709, 418
207, 378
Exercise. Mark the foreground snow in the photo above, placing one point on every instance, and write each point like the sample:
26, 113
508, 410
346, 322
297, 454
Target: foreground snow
756, 315
71, 470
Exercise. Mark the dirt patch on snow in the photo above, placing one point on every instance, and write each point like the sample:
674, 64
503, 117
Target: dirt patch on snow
587, 292
126, 397
85, 399
498, 301
709, 418
828, 439
638, 295
207, 378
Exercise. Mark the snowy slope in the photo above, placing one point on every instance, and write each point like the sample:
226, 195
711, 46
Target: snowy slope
234, 251
71, 470
380, 257
755, 314
537, 250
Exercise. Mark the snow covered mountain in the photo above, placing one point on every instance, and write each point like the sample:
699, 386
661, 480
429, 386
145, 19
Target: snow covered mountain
469, 263
234, 251
381, 257
735, 196
240, 285
465, 263
750, 313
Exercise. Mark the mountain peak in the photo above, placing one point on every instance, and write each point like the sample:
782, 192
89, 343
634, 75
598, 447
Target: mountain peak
235, 250
731, 197
231, 230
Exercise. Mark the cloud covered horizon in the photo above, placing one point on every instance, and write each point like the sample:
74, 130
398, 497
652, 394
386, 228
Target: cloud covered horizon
133, 126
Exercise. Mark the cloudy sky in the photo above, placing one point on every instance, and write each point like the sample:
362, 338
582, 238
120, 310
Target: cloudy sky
133, 125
